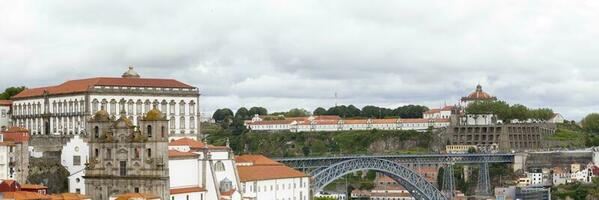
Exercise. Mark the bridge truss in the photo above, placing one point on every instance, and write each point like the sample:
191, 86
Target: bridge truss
327, 169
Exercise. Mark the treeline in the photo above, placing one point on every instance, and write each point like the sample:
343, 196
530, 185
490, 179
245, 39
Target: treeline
507, 112
351, 111
10, 92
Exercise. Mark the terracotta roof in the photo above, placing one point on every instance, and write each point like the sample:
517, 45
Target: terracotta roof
9, 186
187, 190
193, 144
384, 121
14, 129
83, 85
5, 102
256, 173
228, 193
128, 196
355, 121
178, 154
327, 117
33, 187
22, 195
256, 160
432, 111
68, 196
326, 122
478, 94
271, 122
12, 136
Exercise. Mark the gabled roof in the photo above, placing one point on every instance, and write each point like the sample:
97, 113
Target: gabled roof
136, 196
193, 144
187, 190
9, 186
84, 85
256, 160
5, 102
68, 196
22, 195
180, 154
256, 173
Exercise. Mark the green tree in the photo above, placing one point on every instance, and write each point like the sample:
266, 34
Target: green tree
11, 91
591, 123
409, 111
519, 112
222, 114
243, 113
258, 110
320, 111
297, 112
371, 111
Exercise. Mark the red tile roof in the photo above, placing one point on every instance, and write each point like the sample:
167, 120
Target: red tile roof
187, 190
128, 196
9, 186
256, 160
179, 154
15, 134
33, 187
22, 195
68, 196
256, 173
5, 102
83, 85
264, 168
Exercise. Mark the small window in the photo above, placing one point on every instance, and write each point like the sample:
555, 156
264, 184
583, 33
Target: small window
149, 131
123, 168
219, 166
96, 132
96, 153
76, 160
136, 190
149, 153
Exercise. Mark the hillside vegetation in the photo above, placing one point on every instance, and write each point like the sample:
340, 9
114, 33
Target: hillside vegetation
289, 144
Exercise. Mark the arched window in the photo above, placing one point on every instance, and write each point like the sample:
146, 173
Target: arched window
192, 123
113, 107
149, 131
182, 108
163, 106
192, 108
182, 123
226, 185
147, 106
96, 132
172, 107
94, 106
219, 166
138, 107
172, 123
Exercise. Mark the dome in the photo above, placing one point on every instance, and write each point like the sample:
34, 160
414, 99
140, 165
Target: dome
154, 115
478, 94
130, 73
102, 115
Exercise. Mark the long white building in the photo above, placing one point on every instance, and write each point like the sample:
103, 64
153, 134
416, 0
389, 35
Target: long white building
334, 123
63, 109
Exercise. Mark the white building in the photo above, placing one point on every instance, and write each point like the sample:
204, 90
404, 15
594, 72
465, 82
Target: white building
560, 176
536, 178
64, 108
439, 113
331, 195
5, 114
202, 172
265, 179
75, 154
14, 154
585, 174
335, 123
557, 119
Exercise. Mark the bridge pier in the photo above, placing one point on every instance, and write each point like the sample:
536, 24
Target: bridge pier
448, 181
484, 183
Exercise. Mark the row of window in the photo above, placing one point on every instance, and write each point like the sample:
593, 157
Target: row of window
65, 106
130, 107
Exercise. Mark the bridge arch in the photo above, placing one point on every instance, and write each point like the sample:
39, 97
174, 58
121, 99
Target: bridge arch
412, 181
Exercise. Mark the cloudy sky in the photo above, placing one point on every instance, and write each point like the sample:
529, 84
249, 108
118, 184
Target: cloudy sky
284, 54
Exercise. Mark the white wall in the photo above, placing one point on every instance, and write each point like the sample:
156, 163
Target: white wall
4, 170
75, 147
290, 188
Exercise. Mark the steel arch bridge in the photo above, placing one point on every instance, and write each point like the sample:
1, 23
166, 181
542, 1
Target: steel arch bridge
326, 169
411, 180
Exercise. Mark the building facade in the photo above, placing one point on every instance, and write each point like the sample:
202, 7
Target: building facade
73, 157
202, 171
264, 179
14, 154
335, 123
125, 158
5, 106
63, 109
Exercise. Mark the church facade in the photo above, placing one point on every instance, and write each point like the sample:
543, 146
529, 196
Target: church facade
63, 109
125, 158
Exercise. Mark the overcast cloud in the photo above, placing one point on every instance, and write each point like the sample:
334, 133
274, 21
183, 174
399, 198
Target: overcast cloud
285, 54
